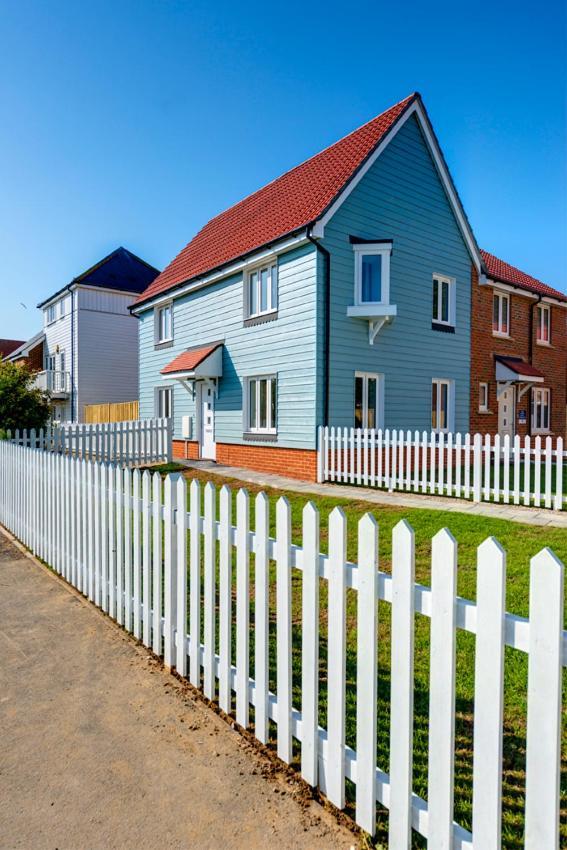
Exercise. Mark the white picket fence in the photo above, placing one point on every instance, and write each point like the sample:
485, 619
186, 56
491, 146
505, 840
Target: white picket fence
127, 443
121, 538
528, 471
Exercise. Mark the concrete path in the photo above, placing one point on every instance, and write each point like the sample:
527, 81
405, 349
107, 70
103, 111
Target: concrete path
514, 513
102, 749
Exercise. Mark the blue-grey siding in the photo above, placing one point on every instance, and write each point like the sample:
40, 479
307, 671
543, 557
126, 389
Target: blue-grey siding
400, 198
286, 346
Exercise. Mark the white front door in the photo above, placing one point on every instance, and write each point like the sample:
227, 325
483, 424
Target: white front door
208, 445
507, 412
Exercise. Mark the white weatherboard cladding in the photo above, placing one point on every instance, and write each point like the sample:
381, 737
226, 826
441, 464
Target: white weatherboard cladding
58, 339
400, 198
286, 347
107, 348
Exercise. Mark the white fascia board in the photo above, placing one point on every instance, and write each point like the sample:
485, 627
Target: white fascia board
507, 287
108, 291
416, 109
260, 256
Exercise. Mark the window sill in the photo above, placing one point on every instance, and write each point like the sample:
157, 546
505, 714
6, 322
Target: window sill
165, 343
498, 335
371, 311
260, 436
543, 344
442, 327
261, 319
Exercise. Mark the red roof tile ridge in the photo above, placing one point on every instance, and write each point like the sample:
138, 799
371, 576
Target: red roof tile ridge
507, 273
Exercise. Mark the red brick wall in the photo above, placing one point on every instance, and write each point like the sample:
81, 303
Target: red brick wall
551, 360
294, 463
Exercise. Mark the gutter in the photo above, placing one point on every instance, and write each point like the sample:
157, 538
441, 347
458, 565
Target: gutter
327, 323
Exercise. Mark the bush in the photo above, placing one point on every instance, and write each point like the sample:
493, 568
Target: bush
22, 405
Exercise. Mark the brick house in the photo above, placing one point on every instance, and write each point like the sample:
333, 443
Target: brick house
518, 353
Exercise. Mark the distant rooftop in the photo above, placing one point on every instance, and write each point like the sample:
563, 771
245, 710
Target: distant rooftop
9, 345
120, 271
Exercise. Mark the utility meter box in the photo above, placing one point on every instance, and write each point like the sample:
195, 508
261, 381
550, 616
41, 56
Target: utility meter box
186, 427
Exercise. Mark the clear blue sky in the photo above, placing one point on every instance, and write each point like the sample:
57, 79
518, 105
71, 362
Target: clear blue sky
132, 123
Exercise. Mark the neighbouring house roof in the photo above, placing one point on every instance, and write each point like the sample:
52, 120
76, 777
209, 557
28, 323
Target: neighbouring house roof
7, 346
121, 271
286, 205
24, 348
188, 360
520, 367
505, 273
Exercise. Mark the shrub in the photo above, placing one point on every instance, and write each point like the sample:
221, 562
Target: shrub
22, 405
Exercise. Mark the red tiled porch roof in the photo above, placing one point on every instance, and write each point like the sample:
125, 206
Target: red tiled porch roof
188, 361
288, 204
520, 367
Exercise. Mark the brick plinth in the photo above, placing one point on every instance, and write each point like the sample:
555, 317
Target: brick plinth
295, 463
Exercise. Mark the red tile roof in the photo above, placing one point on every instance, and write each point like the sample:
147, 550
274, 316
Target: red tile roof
519, 367
9, 345
187, 361
287, 204
504, 272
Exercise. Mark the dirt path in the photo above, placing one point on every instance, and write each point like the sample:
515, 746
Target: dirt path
101, 748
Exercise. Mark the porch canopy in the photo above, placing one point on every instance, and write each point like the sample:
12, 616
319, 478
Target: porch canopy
203, 362
514, 370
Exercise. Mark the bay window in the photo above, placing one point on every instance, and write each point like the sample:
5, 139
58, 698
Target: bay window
261, 404
372, 273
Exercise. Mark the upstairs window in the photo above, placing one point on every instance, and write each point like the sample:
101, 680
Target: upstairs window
261, 291
501, 314
50, 314
261, 404
372, 273
442, 405
62, 308
164, 324
443, 312
543, 324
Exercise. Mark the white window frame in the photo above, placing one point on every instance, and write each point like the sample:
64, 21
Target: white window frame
450, 384
50, 316
272, 296
543, 310
158, 323
503, 298
483, 397
271, 427
62, 308
160, 393
379, 413
50, 363
441, 279
542, 393
382, 250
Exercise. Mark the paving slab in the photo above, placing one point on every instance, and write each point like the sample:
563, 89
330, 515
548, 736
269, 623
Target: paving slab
102, 749
513, 513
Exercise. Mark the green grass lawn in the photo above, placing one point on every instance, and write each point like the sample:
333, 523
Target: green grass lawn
520, 542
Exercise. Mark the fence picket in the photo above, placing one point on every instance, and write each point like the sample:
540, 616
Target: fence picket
336, 660
366, 665
283, 627
310, 646
146, 557
209, 591
242, 606
195, 585
170, 571
181, 595
401, 712
261, 615
489, 695
225, 600
442, 690
543, 749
